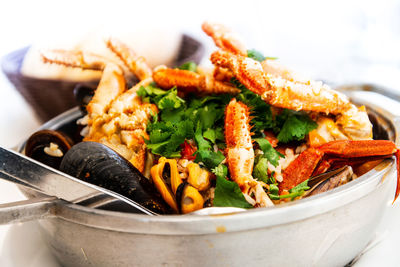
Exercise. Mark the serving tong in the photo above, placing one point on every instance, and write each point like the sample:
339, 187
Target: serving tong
21, 170
27, 172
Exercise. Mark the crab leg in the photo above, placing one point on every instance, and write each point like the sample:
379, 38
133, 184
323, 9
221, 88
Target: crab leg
227, 41
300, 169
278, 91
189, 81
361, 148
304, 165
112, 82
224, 38
240, 152
136, 64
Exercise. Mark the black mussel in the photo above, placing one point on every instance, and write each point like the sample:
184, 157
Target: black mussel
48, 147
100, 165
330, 180
83, 94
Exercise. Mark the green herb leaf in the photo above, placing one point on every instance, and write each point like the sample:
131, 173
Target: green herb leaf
260, 111
296, 127
269, 152
190, 66
210, 135
210, 158
202, 144
300, 187
256, 55
228, 194
296, 191
261, 170
220, 171
274, 189
165, 138
170, 100
150, 90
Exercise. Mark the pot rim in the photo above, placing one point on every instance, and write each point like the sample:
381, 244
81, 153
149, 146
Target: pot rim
211, 224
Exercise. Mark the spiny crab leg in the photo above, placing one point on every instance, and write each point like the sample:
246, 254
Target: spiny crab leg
75, 59
112, 82
135, 63
278, 91
308, 161
240, 152
189, 81
224, 38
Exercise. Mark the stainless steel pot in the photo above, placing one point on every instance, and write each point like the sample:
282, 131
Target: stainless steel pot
329, 229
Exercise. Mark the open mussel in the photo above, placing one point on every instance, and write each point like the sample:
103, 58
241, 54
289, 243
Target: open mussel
181, 196
327, 181
48, 147
98, 164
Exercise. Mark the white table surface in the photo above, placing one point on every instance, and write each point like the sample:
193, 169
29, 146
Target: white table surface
359, 39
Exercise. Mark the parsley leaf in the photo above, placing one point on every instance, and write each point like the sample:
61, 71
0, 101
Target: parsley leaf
220, 171
260, 111
150, 90
296, 191
256, 55
228, 194
165, 138
170, 100
190, 66
202, 143
296, 126
210, 135
210, 158
260, 170
269, 152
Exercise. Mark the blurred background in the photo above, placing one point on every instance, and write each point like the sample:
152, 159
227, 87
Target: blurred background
339, 41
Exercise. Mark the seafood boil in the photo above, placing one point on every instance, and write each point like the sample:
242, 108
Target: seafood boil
248, 133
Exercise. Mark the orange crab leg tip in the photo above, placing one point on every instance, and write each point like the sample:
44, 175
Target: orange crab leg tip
300, 169
359, 148
397, 155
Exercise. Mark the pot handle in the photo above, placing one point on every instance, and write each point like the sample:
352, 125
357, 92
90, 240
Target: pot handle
28, 210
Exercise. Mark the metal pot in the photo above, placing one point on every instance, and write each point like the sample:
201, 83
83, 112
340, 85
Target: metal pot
329, 229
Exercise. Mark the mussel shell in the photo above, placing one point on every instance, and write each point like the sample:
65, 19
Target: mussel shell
330, 180
179, 194
83, 94
38, 141
100, 165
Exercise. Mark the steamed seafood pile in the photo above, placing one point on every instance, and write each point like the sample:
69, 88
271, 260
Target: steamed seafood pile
248, 133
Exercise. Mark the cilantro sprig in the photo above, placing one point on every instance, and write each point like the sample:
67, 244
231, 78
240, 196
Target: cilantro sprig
296, 191
180, 120
227, 193
190, 66
295, 126
257, 55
